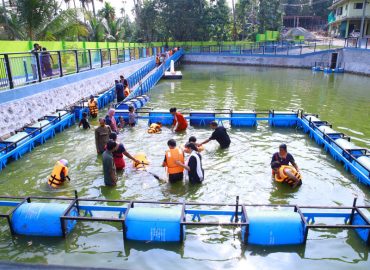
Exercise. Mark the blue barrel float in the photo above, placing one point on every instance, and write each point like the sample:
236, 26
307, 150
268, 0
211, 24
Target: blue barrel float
283, 119
203, 118
41, 219
273, 228
154, 224
243, 119
124, 105
160, 116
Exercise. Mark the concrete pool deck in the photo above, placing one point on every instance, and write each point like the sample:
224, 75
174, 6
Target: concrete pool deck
25, 105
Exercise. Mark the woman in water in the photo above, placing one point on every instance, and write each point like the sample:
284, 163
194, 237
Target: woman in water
193, 164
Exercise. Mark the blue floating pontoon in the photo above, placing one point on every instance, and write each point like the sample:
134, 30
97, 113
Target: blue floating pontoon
264, 225
354, 158
243, 119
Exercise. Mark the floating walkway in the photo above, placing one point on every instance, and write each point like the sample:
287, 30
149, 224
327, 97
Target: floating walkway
265, 225
35, 134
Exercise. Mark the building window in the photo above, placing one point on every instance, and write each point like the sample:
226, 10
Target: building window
339, 11
358, 5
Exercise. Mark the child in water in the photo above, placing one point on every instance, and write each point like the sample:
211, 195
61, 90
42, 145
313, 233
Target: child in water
121, 122
131, 116
84, 121
193, 140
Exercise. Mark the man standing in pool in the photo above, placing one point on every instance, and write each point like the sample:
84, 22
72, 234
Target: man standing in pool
220, 135
284, 158
179, 122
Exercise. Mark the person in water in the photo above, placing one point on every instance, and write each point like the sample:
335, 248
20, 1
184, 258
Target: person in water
111, 120
119, 162
286, 174
193, 139
172, 156
179, 122
102, 135
220, 135
193, 164
284, 158
131, 116
109, 168
59, 174
93, 107
84, 122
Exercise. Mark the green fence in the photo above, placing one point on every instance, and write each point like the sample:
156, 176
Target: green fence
10, 46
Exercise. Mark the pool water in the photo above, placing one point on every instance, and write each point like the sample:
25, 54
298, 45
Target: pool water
242, 170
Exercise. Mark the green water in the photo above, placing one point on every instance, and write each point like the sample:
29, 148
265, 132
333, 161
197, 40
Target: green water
240, 170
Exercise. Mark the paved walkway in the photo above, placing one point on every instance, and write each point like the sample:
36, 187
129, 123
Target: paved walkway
32, 89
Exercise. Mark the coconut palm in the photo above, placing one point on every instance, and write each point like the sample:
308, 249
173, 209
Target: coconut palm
107, 12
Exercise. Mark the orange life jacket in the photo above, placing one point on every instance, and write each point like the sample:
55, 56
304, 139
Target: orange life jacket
93, 107
154, 128
182, 123
283, 176
173, 155
126, 92
54, 179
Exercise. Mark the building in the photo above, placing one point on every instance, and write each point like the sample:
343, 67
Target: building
346, 17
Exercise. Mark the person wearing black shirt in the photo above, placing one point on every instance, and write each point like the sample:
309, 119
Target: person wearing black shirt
84, 122
119, 91
193, 164
283, 157
220, 135
124, 81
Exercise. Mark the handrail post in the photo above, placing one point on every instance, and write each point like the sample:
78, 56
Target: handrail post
117, 55
101, 58
110, 57
38, 65
8, 71
60, 64
314, 48
76, 57
89, 54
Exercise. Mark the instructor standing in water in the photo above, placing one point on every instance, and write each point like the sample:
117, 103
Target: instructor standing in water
220, 135
179, 121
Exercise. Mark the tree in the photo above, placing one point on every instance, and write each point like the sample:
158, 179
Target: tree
270, 16
219, 20
246, 19
107, 12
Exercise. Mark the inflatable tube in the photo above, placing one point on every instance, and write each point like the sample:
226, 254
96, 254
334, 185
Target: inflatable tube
143, 159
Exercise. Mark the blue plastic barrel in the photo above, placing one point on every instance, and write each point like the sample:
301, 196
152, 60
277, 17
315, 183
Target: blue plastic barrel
124, 106
283, 119
203, 118
364, 234
123, 113
243, 119
363, 164
160, 116
41, 219
142, 101
153, 224
136, 103
146, 97
274, 228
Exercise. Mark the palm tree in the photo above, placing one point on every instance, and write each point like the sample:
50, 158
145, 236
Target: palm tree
107, 12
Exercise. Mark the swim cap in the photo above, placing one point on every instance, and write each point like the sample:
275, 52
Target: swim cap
64, 162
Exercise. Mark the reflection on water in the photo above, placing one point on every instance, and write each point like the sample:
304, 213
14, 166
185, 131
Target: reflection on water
242, 170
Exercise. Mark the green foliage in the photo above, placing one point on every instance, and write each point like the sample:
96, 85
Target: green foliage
270, 15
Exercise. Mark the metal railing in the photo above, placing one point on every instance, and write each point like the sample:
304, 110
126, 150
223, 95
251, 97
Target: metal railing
267, 48
18, 69
360, 43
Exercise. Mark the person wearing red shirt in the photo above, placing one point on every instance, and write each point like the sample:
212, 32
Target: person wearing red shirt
179, 121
